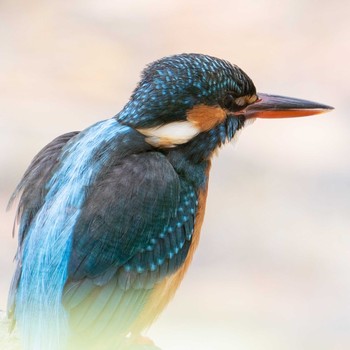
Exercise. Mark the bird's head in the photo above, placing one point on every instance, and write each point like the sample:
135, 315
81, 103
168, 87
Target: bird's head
202, 100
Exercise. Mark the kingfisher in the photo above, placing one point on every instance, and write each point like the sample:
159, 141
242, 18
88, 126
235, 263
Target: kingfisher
109, 217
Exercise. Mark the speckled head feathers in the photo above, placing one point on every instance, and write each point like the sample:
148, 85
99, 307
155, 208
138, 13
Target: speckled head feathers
172, 85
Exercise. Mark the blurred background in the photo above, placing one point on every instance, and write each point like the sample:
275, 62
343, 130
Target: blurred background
272, 269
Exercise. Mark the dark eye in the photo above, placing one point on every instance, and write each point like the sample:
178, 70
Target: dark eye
229, 102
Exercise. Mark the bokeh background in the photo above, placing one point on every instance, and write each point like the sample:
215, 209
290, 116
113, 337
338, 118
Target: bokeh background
273, 267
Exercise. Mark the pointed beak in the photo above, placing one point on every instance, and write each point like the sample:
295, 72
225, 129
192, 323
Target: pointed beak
273, 106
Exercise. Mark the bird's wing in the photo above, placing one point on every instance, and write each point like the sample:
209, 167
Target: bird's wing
125, 211
135, 228
32, 191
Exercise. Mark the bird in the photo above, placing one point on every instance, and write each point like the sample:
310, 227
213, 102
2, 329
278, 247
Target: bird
109, 218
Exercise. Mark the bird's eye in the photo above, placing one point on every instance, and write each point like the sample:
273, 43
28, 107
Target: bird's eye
229, 102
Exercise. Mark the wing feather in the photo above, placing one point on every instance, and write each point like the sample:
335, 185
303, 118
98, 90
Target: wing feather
128, 207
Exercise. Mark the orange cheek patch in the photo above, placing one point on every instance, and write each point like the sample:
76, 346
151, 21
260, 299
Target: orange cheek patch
206, 117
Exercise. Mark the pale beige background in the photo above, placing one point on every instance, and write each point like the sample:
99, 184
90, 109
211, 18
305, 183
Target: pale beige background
273, 267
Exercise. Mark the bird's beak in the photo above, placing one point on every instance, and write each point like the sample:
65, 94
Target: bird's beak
273, 106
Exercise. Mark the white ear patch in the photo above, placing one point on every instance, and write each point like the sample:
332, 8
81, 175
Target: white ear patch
171, 134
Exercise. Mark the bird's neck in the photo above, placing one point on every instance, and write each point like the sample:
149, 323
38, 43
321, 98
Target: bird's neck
194, 173
192, 160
